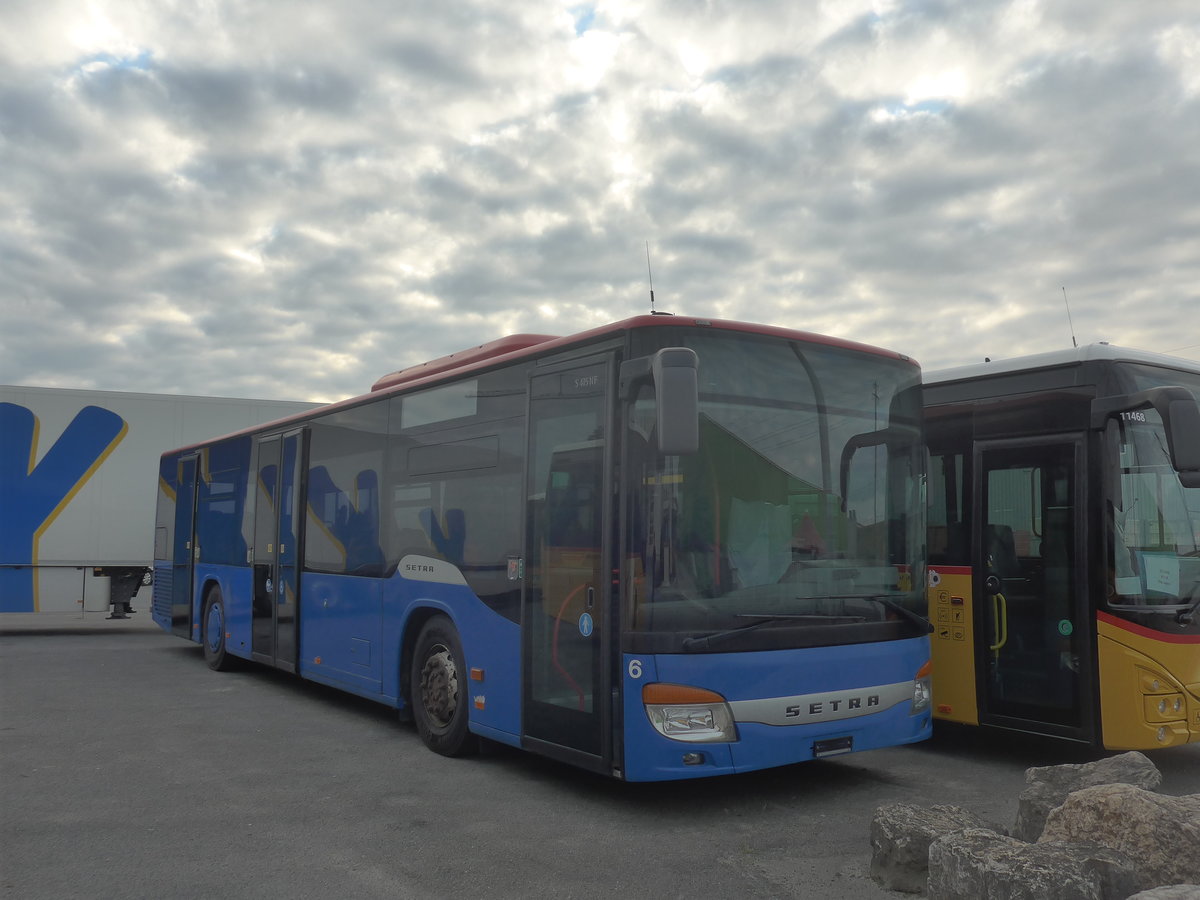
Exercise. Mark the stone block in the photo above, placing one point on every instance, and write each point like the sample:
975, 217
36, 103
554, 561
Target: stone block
1160, 833
1170, 892
1048, 786
976, 864
900, 837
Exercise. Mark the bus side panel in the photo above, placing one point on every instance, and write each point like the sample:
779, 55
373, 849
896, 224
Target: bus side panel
783, 675
1149, 686
340, 631
160, 609
953, 644
237, 592
491, 645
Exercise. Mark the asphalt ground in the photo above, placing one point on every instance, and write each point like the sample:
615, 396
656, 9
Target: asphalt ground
129, 770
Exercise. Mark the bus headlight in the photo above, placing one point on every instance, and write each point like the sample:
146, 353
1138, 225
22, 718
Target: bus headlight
922, 689
684, 713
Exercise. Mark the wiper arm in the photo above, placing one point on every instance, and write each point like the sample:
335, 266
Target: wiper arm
916, 618
1185, 616
1183, 612
884, 600
707, 641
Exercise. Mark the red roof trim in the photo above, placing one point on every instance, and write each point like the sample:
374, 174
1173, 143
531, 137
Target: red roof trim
470, 363
508, 344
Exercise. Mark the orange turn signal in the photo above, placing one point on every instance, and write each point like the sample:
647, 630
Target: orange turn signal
660, 694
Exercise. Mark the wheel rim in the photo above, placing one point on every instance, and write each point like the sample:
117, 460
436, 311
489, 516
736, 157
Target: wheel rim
439, 687
214, 627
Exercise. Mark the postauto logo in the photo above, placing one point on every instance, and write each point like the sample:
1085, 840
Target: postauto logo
32, 496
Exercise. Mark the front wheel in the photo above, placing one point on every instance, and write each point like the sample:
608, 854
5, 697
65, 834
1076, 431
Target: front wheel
439, 690
213, 632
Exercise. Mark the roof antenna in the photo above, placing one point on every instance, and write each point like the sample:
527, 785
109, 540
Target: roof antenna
651, 276
653, 311
1069, 322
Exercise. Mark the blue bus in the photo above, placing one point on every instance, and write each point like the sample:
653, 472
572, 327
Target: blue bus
664, 548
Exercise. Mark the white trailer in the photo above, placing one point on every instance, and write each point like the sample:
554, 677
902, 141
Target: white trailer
78, 485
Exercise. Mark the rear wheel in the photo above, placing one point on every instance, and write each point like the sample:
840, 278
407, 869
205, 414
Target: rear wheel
213, 632
439, 690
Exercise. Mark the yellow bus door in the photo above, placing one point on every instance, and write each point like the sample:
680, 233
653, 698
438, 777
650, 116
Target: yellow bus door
1032, 620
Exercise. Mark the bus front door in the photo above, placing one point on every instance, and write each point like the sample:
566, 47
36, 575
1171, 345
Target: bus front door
276, 551
1032, 616
566, 621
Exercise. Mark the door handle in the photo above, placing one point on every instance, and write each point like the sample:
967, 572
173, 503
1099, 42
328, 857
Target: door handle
591, 597
1000, 617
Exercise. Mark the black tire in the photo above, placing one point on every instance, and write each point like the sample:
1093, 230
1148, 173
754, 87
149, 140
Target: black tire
439, 689
212, 632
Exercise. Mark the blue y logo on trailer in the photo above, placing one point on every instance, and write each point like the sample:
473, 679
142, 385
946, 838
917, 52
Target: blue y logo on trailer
32, 496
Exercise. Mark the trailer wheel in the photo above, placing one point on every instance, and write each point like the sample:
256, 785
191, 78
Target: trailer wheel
439, 690
213, 632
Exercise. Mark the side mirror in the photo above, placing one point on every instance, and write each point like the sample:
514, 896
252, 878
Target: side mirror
676, 388
892, 438
1182, 421
1180, 414
677, 396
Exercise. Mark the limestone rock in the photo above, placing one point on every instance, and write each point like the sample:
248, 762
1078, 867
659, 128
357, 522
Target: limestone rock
900, 837
1160, 833
1170, 892
976, 864
1048, 786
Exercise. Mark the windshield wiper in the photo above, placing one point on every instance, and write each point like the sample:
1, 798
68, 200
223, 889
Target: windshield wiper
884, 600
706, 641
1185, 616
916, 618
1183, 612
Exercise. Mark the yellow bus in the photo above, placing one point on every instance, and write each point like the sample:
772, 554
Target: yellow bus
1064, 546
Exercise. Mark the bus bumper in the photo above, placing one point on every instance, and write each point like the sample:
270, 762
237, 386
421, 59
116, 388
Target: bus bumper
861, 698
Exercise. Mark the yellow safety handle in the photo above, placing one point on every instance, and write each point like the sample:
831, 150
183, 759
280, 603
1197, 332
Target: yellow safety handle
1000, 614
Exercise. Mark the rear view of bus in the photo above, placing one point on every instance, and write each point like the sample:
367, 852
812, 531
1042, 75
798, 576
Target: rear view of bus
663, 548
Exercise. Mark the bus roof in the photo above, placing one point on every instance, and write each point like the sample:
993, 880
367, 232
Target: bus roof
519, 346
1055, 359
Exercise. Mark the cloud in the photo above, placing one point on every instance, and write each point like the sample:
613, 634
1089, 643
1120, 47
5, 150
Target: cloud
247, 199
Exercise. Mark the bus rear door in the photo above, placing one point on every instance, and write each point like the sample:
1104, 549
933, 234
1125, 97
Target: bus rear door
277, 524
184, 552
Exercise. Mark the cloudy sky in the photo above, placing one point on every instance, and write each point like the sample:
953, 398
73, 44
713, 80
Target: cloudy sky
261, 198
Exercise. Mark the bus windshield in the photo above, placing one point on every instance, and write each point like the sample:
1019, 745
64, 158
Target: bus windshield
800, 521
1155, 521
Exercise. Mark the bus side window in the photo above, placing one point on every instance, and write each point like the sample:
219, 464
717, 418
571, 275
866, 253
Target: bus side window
448, 542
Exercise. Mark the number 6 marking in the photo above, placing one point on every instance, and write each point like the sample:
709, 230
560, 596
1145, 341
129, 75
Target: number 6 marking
635, 668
